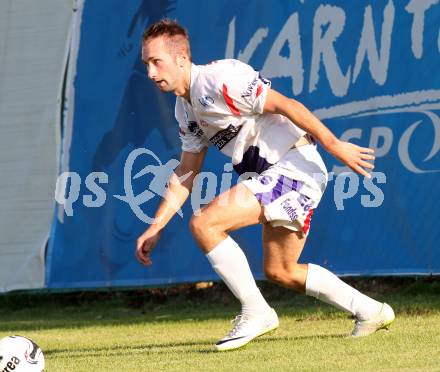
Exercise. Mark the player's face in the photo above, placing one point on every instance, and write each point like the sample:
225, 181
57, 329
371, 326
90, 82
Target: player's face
161, 65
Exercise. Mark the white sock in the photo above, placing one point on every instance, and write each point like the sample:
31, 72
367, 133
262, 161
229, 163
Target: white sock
230, 263
327, 287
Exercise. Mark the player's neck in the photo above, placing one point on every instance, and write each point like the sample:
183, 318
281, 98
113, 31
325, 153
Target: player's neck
184, 88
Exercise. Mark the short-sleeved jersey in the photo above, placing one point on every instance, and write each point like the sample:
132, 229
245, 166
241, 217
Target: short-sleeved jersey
226, 110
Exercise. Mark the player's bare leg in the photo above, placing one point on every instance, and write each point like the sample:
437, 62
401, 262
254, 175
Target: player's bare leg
232, 210
282, 249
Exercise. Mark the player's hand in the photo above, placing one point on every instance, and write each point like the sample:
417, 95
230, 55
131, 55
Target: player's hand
353, 156
145, 244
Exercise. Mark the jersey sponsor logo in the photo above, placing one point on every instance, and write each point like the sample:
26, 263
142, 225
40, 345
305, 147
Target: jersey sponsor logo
255, 86
195, 129
223, 137
205, 101
250, 88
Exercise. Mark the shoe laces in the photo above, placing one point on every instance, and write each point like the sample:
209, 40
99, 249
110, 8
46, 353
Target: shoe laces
239, 322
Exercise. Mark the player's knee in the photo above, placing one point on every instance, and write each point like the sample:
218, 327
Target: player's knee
297, 279
200, 226
275, 274
196, 225
291, 278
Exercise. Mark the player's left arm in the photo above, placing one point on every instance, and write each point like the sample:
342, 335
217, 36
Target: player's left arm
348, 153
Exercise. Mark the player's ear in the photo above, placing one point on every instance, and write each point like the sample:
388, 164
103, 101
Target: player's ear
181, 60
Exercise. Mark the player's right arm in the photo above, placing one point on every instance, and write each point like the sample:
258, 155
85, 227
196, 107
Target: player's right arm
178, 190
356, 157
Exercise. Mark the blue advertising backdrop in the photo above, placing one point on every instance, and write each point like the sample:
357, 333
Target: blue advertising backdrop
368, 69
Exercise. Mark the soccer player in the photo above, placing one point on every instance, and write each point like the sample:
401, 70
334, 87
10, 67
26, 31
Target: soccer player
272, 141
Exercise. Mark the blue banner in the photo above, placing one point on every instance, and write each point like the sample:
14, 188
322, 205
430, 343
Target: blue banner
366, 68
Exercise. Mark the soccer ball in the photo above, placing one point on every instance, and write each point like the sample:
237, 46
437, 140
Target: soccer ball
19, 354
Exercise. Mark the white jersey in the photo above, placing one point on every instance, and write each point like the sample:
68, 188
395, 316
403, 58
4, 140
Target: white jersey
226, 110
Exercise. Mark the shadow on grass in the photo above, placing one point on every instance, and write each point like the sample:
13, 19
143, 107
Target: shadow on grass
129, 350
175, 347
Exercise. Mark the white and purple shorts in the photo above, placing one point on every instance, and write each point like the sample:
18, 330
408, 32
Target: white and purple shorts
291, 189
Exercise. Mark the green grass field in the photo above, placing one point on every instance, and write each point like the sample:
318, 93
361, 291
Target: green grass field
174, 330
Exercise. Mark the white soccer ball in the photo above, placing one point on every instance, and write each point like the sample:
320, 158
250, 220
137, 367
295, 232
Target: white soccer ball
19, 354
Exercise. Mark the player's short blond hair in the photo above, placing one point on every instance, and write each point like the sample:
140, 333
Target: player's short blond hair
176, 36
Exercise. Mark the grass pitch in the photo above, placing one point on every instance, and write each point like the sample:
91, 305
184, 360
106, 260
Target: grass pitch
174, 330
